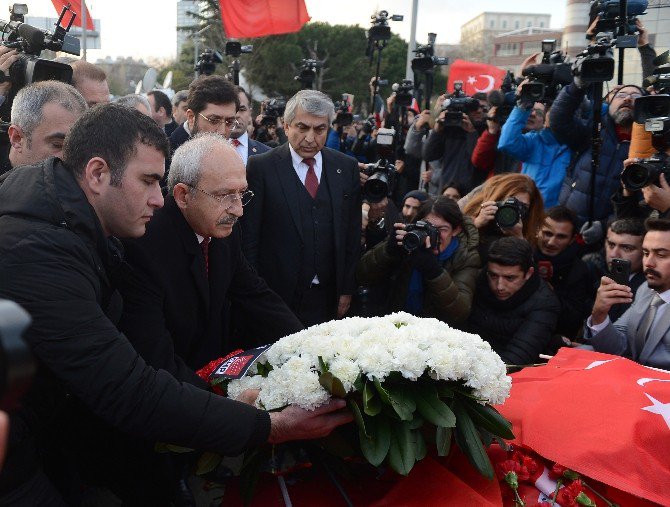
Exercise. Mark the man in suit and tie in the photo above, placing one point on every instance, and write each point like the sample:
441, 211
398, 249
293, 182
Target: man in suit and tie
643, 331
239, 135
302, 229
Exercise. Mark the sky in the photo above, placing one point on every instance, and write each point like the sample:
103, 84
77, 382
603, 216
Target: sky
146, 28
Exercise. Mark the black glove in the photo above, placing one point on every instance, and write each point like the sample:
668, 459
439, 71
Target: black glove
425, 262
392, 246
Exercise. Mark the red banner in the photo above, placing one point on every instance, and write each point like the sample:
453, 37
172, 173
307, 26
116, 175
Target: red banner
256, 18
75, 5
603, 416
476, 77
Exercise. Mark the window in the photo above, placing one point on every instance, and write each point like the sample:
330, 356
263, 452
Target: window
529, 24
492, 24
516, 24
504, 23
541, 24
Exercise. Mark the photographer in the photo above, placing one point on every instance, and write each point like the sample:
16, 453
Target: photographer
655, 197
455, 142
544, 158
269, 125
437, 277
506, 205
363, 145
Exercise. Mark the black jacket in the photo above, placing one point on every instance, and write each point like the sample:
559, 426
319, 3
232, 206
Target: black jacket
519, 328
54, 261
455, 147
175, 316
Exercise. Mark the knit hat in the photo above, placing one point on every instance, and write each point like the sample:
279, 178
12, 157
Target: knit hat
416, 194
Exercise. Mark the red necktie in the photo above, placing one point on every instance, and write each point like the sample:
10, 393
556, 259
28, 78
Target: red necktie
204, 244
235, 142
311, 181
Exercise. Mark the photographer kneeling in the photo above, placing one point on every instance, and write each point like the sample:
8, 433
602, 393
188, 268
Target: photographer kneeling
433, 263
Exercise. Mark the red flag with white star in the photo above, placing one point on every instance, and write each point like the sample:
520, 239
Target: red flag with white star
257, 18
476, 77
603, 416
75, 5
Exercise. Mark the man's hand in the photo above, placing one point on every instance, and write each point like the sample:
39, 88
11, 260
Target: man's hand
486, 214
390, 101
440, 102
439, 124
466, 124
7, 57
658, 197
643, 36
423, 120
295, 423
609, 293
491, 124
394, 240
515, 231
531, 60
427, 175
343, 304
591, 30
248, 396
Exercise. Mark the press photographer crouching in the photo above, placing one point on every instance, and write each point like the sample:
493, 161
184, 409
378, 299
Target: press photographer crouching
506, 205
432, 263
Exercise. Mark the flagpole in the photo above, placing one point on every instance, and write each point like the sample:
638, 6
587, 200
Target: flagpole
412, 41
83, 30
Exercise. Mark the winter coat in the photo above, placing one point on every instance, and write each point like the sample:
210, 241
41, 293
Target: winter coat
454, 146
519, 328
447, 297
56, 262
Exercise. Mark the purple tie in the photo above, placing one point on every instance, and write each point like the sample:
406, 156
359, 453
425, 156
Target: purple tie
204, 244
311, 181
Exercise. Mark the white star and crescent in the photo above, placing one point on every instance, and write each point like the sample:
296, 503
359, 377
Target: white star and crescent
662, 409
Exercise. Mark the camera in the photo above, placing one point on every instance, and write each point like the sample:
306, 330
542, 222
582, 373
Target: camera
417, 234
596, 63
369, 125
610, 11
343, 117
647, 171
273, 110
380, 29
307, 73
425, 59
651, 106
403, 92
17, 366
455, 107
547, 78
235, 49
380, 181
660, 79
510, 212
30, 42
207, 62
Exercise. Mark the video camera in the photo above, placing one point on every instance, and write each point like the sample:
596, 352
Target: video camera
654, 112
369, 125
307, 73
547, 78
380, 31
660, 79
30, 41
404, 92
455, 107
274, 109
425, 59
207, 62
610, 12
510, 212
343, 117
16, 362
235, 49
596, 63
417, 234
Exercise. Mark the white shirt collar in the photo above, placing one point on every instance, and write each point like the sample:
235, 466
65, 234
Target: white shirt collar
297, 159
199, 238
665, 296
244, 140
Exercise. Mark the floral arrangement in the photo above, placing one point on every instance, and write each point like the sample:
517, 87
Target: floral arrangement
409, 382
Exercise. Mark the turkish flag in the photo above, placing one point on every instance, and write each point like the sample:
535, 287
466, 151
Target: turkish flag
75, 5
476, 77
603, 416
256, 18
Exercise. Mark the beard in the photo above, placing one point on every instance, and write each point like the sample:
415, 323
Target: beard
623, 117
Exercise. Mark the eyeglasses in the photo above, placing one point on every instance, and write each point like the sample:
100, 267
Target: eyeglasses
625, 95
230, 122
228, 200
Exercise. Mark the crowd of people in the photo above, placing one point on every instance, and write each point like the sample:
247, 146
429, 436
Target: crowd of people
148, 237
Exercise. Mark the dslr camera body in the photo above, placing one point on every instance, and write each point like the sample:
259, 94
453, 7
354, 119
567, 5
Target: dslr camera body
274, 109
547, 78
417, 234
455, 107
381, 178
510, 212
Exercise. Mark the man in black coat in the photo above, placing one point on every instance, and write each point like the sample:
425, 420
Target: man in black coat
176, 299
57, 254
513, 308
302, 229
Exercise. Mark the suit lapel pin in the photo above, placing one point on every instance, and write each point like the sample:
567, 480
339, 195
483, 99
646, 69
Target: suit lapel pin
253, 149
339, 171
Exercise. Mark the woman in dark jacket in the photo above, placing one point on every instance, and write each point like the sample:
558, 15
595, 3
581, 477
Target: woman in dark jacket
429, 282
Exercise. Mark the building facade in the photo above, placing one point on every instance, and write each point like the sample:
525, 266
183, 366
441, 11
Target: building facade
185, 20
512, 48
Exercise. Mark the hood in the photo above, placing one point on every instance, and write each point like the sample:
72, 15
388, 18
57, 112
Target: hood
49, 193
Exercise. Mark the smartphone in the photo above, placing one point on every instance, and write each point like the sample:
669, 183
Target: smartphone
620, 271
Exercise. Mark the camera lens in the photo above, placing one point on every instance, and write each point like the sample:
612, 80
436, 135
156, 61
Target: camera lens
414, 240
376, 188
636, 176
507, 216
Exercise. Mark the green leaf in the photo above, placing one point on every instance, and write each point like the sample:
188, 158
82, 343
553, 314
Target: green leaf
322, 365
469, 441
443, 440
444, 391
376, 446
420, 449
402, 449
432, 408
372, 404
488, 418
358, 383
382, 392
402, 401
178, 449
249, 474
416, 422
207, 462
358, 417
332, 384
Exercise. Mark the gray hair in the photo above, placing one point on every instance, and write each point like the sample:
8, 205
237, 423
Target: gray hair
310, 101
186, 165
30, 101
132, 100
180, 96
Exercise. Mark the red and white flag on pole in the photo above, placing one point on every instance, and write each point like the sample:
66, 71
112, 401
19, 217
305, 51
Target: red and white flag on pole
476, 77
257, 18
603, 416
75, 5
